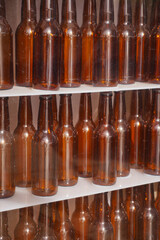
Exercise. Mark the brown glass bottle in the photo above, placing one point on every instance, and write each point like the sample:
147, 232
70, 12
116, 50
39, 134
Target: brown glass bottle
4, 226
142, 47
6, 50
87, 30
105, 140
47, 43
127, 44
54, 110
70, 74
24, 44
67, 142
44, 160
139, 193
119, 217
106, 47
85, 132
157, 202
23, 136
81, 219
26, 227
63, 226
137, 131
124, 133
152, 162
150, 216
7, 185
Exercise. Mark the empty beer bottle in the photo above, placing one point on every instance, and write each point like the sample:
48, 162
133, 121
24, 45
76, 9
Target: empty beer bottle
124, 133
47, 42
81, 219
24, 44
7, 185
85, 131
4, 226
6, 50
150, 216
23, 136
143, 35
63, 226
44, 159
67, 144
119, 217
54, 110
152, 161
105, 140
127, 44
87, 29
106, 47
137, 131
70, 74
26, 227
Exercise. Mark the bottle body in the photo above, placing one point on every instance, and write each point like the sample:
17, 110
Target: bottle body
4, 226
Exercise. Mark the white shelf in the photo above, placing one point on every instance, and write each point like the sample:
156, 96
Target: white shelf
85, 187
24, 91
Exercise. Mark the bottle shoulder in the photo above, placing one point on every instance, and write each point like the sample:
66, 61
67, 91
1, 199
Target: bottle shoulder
126, 30
85, 124
142, 31
88, 29
26, 27
106, 29
122, 126
106, 129
24, 131
4, 26
67, 130
71, 29
155, 33
5, 137
50, 28
45, 137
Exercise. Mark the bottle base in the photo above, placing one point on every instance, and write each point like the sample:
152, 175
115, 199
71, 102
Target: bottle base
123, 174
67, 183
70, 85
6, 193
135, 166
126, 81
45, 87
23, 184
152, 172
105, 84
5, 87
44, 192
24, 84
104, 182
155, 80
85, 174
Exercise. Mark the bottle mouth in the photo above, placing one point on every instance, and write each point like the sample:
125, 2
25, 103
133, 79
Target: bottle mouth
45, 97
106, 93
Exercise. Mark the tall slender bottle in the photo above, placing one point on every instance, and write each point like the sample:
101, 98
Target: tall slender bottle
54, 110
137, 131
44, 159
70, 73
152, 162
85, 131
154, 59
105, 140
150, 216
81, 219
124, 133
119, 217
143, 36
23, 136
63, 226
26, 227
67, 142
24, 44
4, 226
87, 30
106, 47
7, 184
127, 44
47, 43
6, 50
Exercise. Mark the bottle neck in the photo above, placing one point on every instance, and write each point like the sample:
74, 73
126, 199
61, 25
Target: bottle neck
63, 210
130, 195
4, 114
45, 114
3, 224
156, 108
141, 13
102, 210
107, 108
69, 11
54, 107
147, 106
25, 111
106, 11
116, 200
158, 12
85, 110
136, 103
65, 112
89, 12
45, 219
2, 9
49, 9
82, 203
119, 106
26, 214
125, 12
28, 10
149, 196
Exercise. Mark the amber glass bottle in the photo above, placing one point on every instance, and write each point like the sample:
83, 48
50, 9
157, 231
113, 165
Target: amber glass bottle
105, 140
85, 131
44, 160
4, 226
54, 110
26, 227
6, 50
81, 219
119, 217
7, 185
87, 30
139, 193
67, 142
63, 226
47, 43
150, 216
157, 202
127, 44
24, 44
143, 35
124, 133
23, 136
106, 47
137, 131
152, 163
70, 74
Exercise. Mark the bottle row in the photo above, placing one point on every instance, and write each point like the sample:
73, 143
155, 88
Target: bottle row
133, 214
49, 55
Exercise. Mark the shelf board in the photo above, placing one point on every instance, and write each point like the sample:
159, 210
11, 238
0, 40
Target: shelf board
84, 187
24, 91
